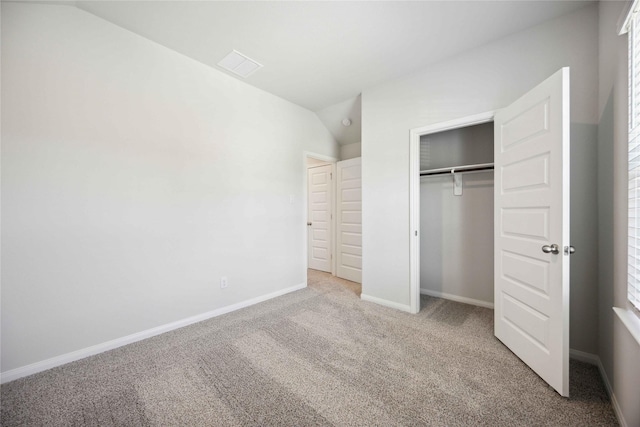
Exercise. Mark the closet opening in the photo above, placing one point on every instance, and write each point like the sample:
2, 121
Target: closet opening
452, 211
456, 214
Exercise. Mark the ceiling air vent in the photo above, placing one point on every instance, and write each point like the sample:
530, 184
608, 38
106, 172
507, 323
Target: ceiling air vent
239, 64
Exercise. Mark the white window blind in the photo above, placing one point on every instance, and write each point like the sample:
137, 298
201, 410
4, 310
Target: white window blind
634, 157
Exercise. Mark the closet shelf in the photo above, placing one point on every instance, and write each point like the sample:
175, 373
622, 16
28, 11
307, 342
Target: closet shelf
458, 169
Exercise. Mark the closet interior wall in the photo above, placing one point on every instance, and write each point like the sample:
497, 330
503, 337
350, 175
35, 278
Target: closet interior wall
456, 242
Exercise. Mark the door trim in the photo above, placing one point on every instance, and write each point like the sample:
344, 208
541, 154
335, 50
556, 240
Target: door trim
414, 193
304, 207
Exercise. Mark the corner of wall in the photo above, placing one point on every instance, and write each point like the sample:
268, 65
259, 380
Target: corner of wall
350, 151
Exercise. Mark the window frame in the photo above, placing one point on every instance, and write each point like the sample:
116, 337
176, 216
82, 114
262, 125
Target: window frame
631, 26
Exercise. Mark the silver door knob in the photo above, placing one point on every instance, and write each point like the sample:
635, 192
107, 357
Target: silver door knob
551, 249
568, 250
309, 224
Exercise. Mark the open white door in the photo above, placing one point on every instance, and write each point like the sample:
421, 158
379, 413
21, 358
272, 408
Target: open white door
319, 218
532, 229
349, 220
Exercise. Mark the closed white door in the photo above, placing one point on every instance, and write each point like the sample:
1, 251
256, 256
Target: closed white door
349, 223
532, 229
319, 218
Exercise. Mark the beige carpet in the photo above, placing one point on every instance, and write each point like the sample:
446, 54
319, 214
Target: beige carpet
319, 356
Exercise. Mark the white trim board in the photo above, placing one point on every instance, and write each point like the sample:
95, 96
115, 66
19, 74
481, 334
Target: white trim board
63, 359
385, 303
317, 156
414, 193
456, 298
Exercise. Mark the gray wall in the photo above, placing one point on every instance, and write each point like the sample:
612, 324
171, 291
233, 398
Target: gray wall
618, 351
350, 151
456, 232
456, 147
133, 178
481, 80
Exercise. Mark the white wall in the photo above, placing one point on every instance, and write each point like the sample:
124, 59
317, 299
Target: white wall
350, 151
618, 351
133, 178
481, 80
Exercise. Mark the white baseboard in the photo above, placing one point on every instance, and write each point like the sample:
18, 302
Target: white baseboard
34, 368
456, 298
583, 356
386, 303
593, 359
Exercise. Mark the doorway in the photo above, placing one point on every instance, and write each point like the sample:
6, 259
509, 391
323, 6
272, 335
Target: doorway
456, 214
414, 191
319, 190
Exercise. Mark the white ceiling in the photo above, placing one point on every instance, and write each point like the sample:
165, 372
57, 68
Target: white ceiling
322, 54
317, 54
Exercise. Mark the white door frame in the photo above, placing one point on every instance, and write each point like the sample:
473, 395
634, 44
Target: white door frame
305, 197
414, 193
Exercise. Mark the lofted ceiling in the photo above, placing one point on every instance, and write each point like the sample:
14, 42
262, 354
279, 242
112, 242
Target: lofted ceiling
333, 116
322, 54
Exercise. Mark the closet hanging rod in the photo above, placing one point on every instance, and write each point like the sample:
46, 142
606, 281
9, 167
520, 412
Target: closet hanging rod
458, 169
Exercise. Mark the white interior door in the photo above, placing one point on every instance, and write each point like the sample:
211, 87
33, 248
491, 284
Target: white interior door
532, 229
349, 220
319, 217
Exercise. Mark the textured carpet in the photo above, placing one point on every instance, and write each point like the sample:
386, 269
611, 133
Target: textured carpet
319, 356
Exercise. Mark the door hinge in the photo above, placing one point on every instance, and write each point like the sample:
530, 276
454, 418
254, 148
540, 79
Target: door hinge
330, 175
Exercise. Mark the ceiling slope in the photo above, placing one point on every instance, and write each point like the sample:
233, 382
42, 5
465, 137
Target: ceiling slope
318, 54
